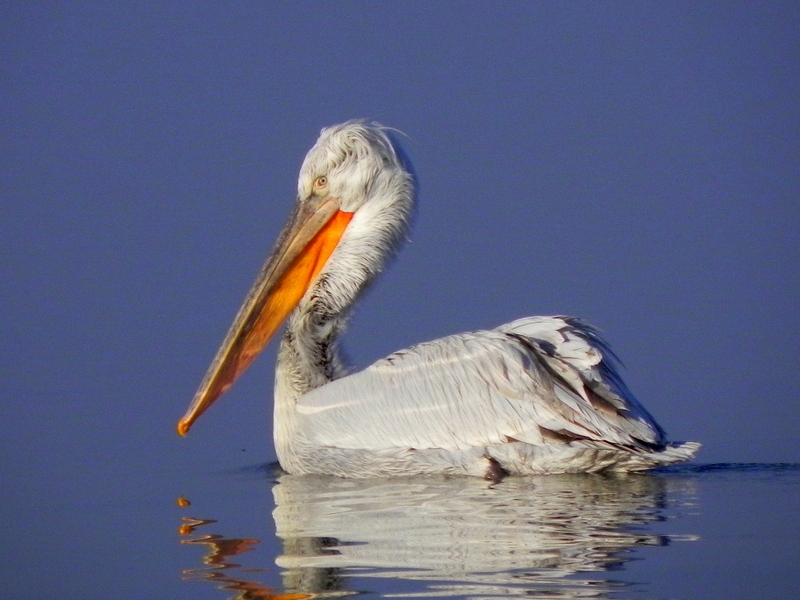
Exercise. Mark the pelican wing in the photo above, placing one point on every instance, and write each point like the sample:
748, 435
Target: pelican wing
539, 380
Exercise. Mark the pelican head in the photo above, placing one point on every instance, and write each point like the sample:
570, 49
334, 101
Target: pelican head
355, 194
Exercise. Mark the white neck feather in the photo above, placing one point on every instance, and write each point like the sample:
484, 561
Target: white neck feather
309, 354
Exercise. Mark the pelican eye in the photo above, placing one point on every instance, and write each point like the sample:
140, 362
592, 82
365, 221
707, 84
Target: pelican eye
320, 184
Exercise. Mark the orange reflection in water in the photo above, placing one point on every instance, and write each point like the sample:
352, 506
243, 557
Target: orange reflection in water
217, 562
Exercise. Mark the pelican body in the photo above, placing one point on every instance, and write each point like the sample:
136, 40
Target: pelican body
537, 395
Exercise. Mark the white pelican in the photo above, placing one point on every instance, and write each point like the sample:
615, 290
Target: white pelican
537, 395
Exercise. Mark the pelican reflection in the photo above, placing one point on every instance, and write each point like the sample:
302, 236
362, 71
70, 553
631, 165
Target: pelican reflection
564, 536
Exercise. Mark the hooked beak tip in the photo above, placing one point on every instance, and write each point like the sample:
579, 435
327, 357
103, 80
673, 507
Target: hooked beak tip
183, 427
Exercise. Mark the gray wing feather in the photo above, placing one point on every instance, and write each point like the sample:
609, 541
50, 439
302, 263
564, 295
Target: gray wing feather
539, 380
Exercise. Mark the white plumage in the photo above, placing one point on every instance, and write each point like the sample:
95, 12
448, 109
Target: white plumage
538, 395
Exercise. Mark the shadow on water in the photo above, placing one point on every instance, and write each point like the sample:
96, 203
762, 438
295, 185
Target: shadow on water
565, 536
768, 469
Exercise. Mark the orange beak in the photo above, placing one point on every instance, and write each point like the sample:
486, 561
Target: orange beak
303, 248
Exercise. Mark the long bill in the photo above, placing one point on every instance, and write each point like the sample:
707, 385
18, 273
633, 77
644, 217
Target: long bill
303, 248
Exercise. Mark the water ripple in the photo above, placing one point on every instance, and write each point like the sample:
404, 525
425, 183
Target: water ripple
558, 536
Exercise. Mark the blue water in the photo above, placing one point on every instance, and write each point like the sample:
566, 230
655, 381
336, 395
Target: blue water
705, 531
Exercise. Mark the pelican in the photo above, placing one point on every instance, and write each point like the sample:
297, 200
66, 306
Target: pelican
537, 395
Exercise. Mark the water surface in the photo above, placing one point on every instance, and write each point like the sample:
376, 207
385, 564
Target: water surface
708, 531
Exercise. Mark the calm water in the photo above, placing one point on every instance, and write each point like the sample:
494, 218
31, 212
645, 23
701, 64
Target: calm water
707, 531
